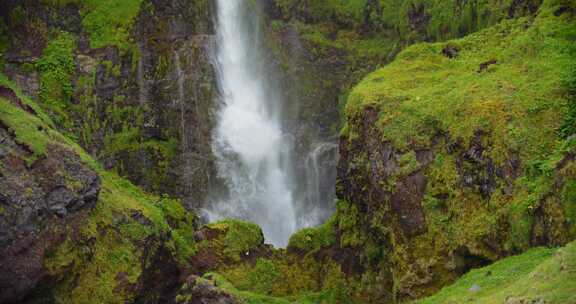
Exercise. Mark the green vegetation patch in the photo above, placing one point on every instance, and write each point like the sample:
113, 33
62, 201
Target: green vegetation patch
101, 260
312, 239
56, 67
25, 129
238, 237
109, 21
538, 274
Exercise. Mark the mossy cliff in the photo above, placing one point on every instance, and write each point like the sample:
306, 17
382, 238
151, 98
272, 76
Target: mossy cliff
72, 232
454, 155
457, 153
322, 48
129, 80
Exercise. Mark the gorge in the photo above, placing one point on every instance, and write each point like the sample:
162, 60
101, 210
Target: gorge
287, 151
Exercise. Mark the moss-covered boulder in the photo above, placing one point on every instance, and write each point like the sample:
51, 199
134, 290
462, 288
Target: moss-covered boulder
453, 155
228, 242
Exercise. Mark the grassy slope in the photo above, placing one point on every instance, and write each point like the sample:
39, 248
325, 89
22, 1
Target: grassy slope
92, 278
540, 273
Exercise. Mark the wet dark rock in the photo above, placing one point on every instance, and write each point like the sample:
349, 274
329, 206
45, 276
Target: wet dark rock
39, 202
477, 171
450, 51
404, 199
406, 203
347, 258
418, 18
484, 65
198, 290
162, 276
564, 9
465, 260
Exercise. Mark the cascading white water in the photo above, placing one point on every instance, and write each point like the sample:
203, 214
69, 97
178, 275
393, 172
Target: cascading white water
249, 143
319, 178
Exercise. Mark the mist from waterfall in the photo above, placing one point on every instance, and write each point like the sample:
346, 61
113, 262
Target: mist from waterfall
318, 191
251, 149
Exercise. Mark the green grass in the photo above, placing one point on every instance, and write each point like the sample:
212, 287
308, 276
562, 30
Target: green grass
540, 273
26, 130
245, 297
335, 291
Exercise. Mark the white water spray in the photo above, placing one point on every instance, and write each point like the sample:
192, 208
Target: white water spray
249, 143
319, 178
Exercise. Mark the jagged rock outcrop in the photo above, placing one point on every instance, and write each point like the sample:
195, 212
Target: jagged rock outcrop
39, 200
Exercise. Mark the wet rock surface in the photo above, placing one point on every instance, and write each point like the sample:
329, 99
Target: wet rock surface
160, 86
38, 201
198, 290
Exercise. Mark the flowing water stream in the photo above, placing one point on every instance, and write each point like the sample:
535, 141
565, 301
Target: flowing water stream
252, 151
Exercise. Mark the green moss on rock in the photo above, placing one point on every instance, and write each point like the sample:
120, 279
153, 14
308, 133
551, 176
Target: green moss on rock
103, 259
56, 68
475, 122
109, 22
312, 239
237, 237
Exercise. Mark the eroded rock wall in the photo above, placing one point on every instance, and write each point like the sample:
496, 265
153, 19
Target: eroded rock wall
138, 91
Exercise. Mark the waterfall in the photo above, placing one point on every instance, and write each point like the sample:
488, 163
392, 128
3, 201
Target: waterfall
319, 179
252, 152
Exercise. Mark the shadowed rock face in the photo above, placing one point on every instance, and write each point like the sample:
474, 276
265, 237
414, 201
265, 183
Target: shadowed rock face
383, 166
39, 201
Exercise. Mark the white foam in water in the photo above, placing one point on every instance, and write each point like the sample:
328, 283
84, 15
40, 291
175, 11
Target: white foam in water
249, 144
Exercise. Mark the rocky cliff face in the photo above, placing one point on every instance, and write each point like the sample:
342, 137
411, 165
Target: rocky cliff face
71, 232
131, 81
39, 200
446, 168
